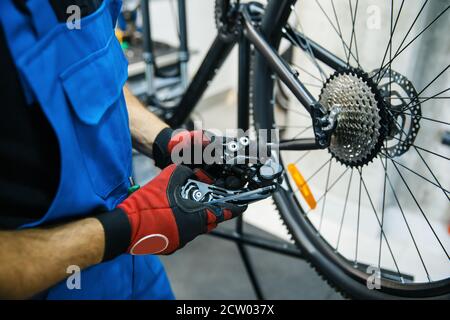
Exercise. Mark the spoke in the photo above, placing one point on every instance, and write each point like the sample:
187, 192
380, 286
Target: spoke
404, 38
299, 113
382, 213
420, 208
339, 27
302, 132
429, 84
290, 127
407, 186
359, 213
330, 187
297, 41
302, 157
435, 96
389, 46
417, 150
422, 98
418, 174
310, 52
428, 119
438, 185
431, 152
312, 84
416, 146
382, 231
406, 222
307, 72
329, 20
390, 52
417, 36
315, 172
325, 195
353, 35
344, 210
431, 171
426, 150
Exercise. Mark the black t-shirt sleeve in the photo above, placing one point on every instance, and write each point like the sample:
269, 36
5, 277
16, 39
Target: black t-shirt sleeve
87, 7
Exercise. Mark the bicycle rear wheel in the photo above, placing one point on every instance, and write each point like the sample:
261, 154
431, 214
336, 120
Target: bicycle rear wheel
379, 229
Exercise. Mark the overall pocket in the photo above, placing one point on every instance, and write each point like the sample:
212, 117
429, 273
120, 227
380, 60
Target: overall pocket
94, 89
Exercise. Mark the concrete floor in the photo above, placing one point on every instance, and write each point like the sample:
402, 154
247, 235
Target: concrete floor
211, 268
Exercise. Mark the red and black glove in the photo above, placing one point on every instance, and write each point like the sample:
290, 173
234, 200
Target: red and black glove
161, 220
166, 141
194, 143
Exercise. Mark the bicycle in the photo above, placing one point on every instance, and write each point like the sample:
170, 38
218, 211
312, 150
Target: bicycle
364, 122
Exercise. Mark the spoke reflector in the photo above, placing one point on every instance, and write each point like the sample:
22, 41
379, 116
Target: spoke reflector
302, 186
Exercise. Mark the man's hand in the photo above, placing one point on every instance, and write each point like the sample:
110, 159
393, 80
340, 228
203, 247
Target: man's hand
144, 125
168, 141
162, 221
152, 137
33, 260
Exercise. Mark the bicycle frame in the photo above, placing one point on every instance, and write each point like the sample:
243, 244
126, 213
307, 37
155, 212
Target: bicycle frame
219, 51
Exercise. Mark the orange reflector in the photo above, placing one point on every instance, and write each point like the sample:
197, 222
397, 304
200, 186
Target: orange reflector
302, 186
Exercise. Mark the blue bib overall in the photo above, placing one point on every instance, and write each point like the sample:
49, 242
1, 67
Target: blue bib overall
77, 77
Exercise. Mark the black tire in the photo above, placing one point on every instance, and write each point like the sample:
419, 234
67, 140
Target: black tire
334, 268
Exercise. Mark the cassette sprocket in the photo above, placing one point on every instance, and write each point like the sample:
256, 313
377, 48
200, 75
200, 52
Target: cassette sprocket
361, 123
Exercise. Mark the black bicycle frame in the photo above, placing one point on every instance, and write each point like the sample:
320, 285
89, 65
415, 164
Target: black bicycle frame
219, 51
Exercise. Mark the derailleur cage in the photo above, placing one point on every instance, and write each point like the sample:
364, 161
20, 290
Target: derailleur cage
324, 123
258, 178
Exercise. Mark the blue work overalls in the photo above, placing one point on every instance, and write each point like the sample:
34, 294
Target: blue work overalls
77, 77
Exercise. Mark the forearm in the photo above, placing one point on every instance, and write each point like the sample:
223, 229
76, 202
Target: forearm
33, 260
144, 125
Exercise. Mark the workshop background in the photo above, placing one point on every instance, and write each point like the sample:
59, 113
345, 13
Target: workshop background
211, 268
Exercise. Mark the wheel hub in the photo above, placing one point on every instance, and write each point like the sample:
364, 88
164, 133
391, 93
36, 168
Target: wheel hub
360, 130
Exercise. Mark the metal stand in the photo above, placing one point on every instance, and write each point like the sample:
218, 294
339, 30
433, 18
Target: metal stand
149, 54
184, 52
243, 240
238, 235
243, 123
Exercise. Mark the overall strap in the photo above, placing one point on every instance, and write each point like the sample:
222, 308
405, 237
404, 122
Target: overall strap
43, 16
20, 36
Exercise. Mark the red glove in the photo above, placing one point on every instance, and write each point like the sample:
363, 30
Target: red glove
194, 143
162, 221
167, 141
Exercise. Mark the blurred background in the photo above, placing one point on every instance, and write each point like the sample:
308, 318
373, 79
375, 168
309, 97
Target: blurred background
210, 268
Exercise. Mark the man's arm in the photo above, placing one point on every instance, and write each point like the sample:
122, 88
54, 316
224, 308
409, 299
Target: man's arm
144, 125
33, 260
